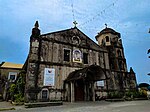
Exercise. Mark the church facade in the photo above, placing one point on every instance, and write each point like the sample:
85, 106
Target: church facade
68, 65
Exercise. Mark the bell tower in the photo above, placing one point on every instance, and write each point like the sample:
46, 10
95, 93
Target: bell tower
111, 40
31, 88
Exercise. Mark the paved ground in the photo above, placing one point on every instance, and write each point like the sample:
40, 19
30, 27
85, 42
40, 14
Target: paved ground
7, 105
101, 106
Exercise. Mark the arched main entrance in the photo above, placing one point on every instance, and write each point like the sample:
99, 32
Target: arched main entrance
82, 83
79, 90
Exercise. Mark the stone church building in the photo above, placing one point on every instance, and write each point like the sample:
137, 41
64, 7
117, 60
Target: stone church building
68, 65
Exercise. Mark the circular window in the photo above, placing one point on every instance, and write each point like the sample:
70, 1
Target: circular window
76, 40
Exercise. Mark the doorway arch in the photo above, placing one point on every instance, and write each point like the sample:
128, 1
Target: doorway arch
82, 82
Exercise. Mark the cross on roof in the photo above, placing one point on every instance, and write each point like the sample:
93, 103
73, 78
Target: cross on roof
75, 23
106, 25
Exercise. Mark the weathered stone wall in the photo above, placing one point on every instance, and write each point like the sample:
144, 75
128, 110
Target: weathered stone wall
61, 73
52, 56
119, 79
53, 94
47, 51
53, 53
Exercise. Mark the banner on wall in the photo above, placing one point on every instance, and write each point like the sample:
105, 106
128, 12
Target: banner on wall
100, 83
77, 56
49, 76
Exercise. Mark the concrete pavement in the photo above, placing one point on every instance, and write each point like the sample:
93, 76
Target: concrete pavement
8, 106
98, 106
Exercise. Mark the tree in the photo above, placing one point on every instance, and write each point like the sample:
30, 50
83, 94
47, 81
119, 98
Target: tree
143, 85
148, 52
16, 90
149, 49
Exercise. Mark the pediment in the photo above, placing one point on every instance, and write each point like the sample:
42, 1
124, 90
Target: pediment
74, 37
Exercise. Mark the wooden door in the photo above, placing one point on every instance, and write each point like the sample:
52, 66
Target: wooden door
79, 90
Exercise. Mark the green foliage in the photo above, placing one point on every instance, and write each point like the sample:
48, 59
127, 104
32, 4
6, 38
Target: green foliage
129, 95
115, 94
136, 94
20, 84
19, 98
143, 85
16, 89
12, 90
143, 93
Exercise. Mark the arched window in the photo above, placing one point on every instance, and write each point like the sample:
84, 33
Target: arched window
103, 42
121, 65
112, 64
44, 94
119, 53
107, 39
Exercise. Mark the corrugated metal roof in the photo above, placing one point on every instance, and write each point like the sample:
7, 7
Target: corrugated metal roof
11, 65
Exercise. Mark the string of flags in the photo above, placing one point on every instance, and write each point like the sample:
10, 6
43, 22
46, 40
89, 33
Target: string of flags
72, 10
99, 14
103, 13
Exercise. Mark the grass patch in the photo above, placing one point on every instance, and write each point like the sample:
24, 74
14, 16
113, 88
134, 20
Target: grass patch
4, 109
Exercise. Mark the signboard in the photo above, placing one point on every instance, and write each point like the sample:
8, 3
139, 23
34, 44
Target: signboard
49, 76
100, 83
77, 56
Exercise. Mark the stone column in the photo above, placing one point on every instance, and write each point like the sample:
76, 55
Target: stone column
72, 92
68, 94
93, 91
85, 93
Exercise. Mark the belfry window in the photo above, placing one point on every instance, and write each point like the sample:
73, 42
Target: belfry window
103, 42
66, 55
107, 39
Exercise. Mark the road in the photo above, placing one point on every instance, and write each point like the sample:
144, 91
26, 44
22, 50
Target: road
101, 106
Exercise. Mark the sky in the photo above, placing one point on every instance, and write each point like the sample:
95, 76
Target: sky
131, 18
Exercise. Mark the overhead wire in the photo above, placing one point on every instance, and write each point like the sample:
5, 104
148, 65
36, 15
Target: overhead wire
103, 14
72, 6
99, 14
